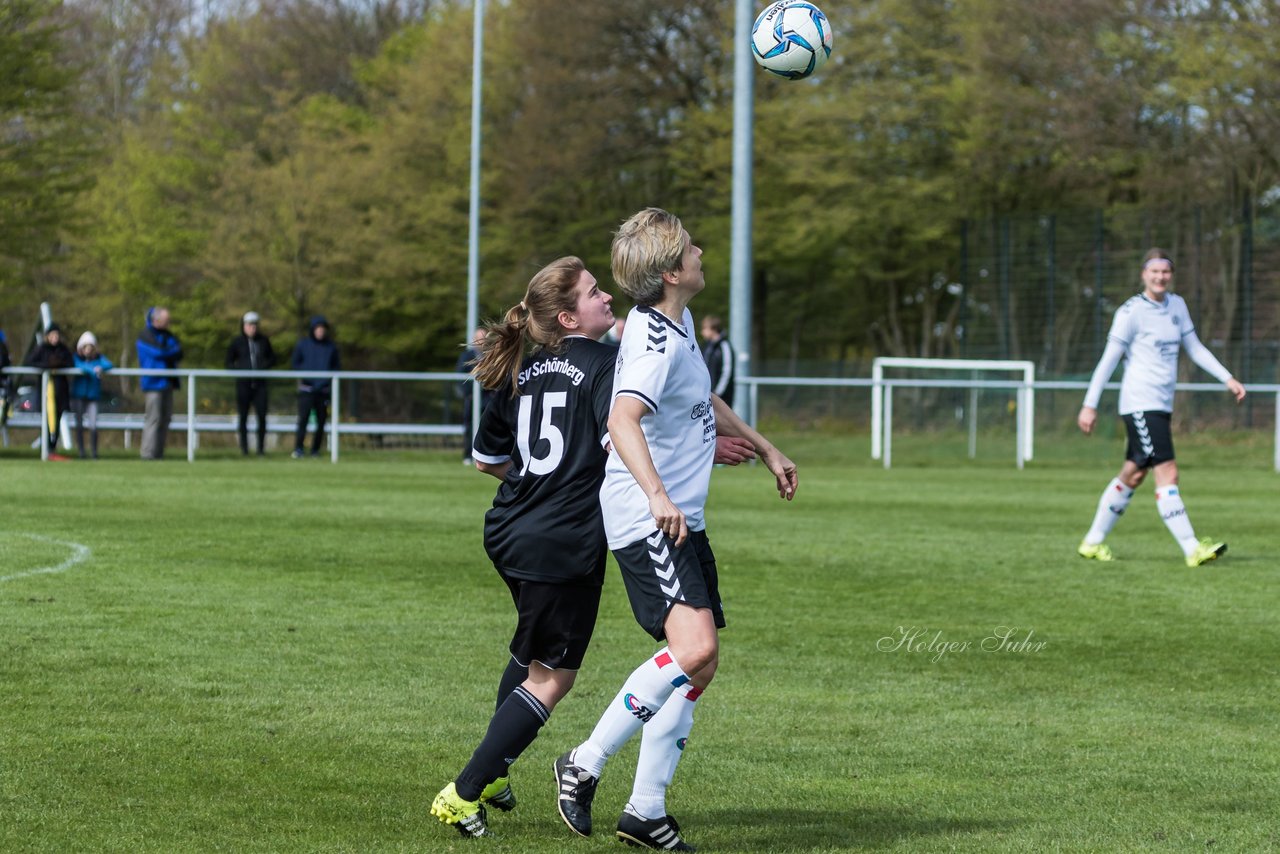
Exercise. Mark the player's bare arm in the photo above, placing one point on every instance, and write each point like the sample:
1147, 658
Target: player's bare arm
498, 470
1237, 388
1087, 418
630, 445
784, 470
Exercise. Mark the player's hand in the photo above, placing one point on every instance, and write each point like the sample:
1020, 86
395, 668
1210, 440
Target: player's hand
668, 518
1235, 387
784, 472
731, 450
1086, 419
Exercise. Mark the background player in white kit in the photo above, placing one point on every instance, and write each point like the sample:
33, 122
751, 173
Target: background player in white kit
1148, 331
663, 426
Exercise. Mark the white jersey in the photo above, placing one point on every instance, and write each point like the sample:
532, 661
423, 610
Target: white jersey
1150, 335
660, 365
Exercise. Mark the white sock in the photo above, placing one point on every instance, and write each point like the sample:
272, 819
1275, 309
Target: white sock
1115, 498
1174, 513
661, 747
641, 697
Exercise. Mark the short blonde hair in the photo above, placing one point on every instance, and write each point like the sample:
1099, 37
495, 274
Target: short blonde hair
647, 245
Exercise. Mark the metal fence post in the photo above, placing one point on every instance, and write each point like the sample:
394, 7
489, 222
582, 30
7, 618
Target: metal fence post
334, 419
886, 442
191, 418
45, 405
877, 412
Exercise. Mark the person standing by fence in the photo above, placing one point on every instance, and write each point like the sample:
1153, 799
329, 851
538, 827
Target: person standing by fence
718, 354
6, 382
251, 351
52, 355
86, 391
158, 348
1148, 332
316, 352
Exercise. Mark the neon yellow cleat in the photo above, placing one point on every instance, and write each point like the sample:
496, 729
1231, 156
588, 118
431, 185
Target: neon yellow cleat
498, 794
467, 816
1207, 550
1095, 551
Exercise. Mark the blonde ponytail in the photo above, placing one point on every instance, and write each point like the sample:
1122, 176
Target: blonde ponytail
534, 321
502, 349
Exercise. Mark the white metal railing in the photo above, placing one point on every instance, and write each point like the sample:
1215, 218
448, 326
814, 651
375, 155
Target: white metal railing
1022, 388
193, 424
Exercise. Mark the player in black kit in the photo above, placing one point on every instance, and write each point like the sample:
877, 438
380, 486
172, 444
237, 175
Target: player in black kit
543, 435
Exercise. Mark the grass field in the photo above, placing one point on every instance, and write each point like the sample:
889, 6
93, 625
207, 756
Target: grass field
294, 656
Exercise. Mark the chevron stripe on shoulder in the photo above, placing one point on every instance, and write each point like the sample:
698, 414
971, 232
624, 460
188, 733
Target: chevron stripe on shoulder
657, 335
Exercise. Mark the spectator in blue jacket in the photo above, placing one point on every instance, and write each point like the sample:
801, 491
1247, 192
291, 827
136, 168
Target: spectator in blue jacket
157, 348
316, 352
86, 390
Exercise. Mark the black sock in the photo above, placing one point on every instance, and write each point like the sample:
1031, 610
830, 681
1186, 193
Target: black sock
513, 728
512, 678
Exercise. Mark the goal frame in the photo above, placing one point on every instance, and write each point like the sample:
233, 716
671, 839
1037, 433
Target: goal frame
882, 399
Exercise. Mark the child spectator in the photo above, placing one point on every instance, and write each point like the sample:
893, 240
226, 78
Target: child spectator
86, 391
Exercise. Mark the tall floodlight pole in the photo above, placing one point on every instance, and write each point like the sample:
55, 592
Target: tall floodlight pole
473, 239
740, 264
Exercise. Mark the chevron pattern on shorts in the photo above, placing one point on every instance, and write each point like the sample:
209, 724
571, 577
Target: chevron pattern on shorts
664, 568
1144, 433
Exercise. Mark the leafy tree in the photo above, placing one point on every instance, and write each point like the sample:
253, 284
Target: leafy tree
43, 150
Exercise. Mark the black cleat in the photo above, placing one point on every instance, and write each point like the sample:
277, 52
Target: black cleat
577, 789
661, 834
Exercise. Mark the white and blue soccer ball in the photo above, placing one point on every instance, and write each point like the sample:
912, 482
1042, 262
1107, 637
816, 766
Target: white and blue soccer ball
791, 38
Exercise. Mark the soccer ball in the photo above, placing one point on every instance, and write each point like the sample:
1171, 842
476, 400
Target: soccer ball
791, 38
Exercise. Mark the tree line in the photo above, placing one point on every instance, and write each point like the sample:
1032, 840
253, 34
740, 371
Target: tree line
311, 156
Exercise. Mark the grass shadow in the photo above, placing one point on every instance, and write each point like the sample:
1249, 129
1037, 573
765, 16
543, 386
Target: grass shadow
813, 830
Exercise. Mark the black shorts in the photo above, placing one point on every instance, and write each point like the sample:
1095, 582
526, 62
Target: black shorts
554, 621
1150, 438
658, 575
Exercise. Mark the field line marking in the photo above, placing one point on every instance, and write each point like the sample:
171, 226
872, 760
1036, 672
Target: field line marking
79, 554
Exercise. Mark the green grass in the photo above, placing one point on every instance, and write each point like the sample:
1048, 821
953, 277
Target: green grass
293, 656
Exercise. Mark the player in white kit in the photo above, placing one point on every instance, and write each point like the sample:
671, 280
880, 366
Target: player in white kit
663, 427
1148, 331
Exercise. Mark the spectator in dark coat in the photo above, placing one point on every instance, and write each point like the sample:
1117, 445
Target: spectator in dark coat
251, 351
53, 354
719, 357
6, 381
316, 352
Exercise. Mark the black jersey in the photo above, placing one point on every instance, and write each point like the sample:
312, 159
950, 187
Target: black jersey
545, 524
